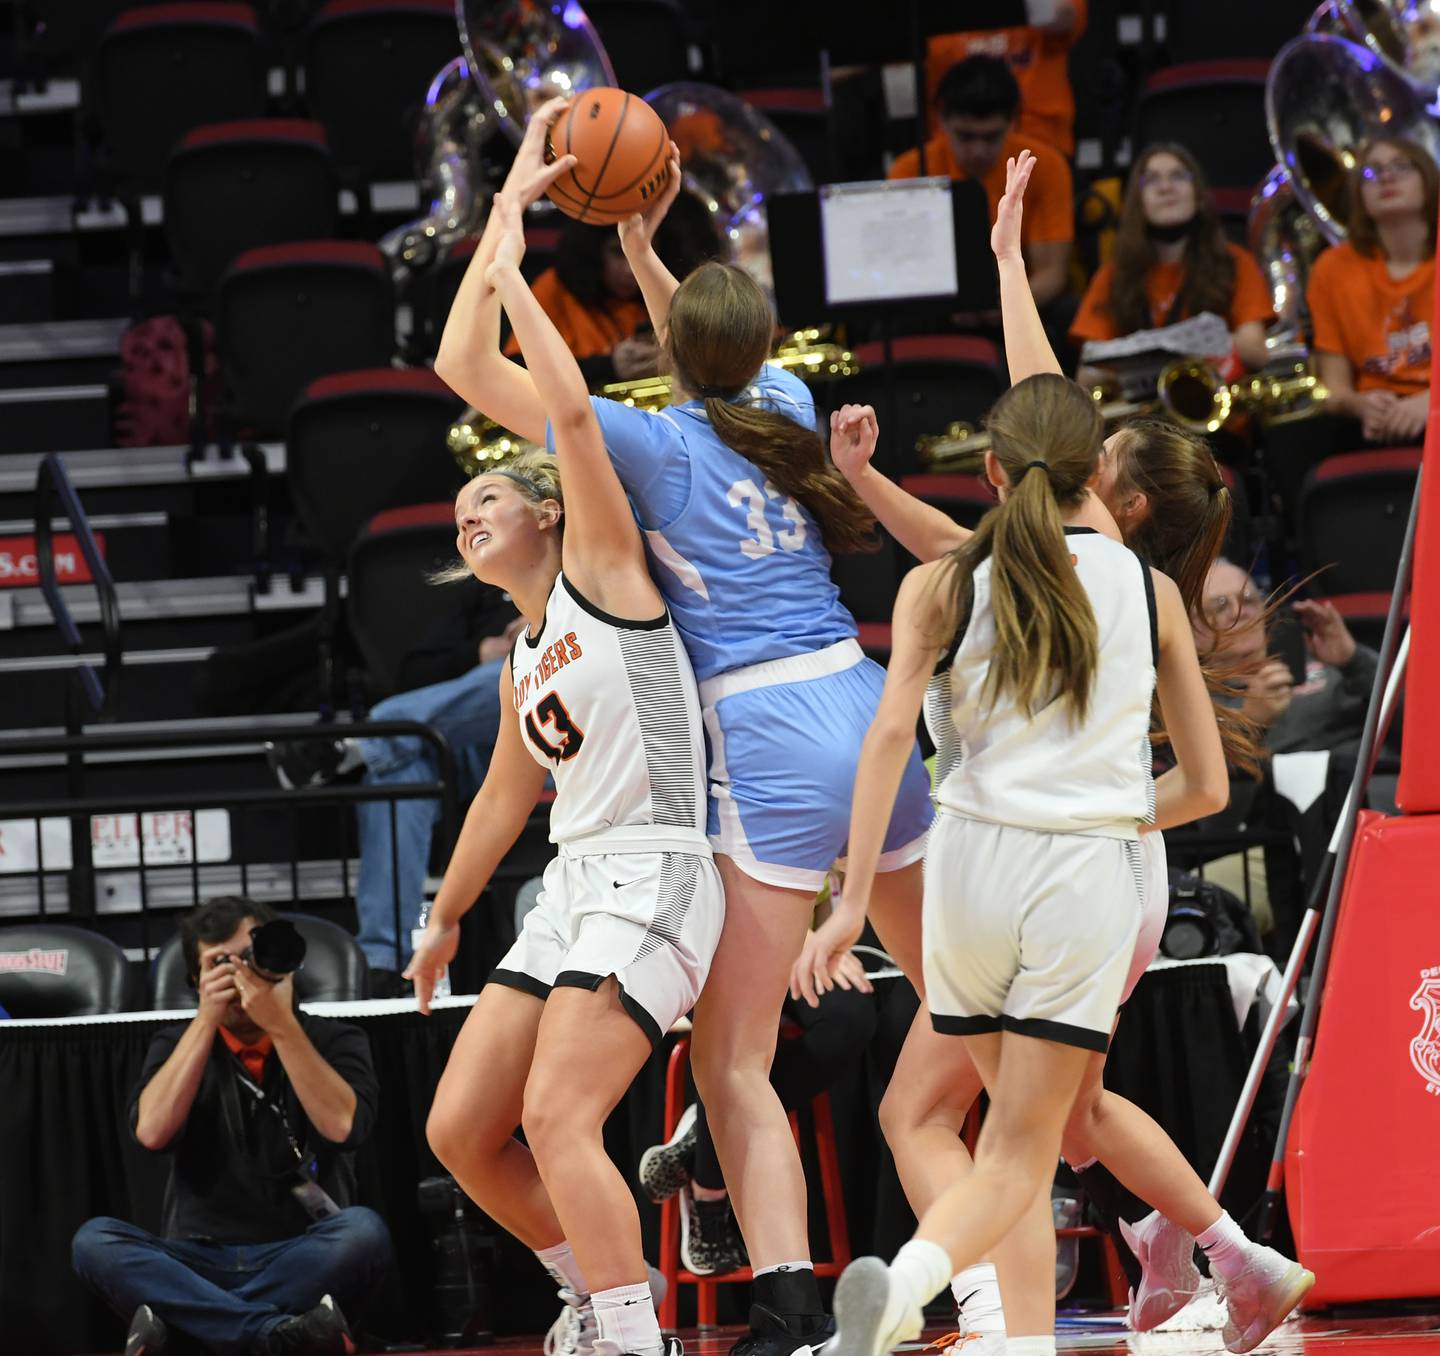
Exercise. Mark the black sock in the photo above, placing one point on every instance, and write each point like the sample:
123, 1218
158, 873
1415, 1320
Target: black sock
790, 1291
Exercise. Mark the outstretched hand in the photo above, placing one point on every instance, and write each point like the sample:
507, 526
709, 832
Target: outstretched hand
530, 176
1005, 234
854, 431
637, 233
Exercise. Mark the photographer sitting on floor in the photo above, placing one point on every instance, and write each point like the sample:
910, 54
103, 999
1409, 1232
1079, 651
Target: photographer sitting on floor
259, 1106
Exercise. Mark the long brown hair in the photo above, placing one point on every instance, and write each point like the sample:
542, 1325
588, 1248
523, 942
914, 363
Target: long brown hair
1045, 432
1363, 235
1207, 269
719, 333
1190, 509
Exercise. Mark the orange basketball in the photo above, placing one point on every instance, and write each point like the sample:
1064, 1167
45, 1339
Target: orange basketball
623, 154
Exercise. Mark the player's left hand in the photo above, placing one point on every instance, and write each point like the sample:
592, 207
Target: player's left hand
637, 233
270, 1006
1005, 234
854, 431
530, 174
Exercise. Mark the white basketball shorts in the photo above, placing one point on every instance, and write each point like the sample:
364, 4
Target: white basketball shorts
651, 919
1154, 912
1028, 932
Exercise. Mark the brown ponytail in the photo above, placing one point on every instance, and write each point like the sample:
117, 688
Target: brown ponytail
1045, 433
719, 333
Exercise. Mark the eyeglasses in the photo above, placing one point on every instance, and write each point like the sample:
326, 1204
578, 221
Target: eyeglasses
1229, 609
1159, 178
979, 136
1391, 169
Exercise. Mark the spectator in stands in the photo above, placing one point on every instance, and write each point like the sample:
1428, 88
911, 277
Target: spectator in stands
592, 298
1173, 261
1327, 711
259, 1106
1038, 54
978, 101
1370, 299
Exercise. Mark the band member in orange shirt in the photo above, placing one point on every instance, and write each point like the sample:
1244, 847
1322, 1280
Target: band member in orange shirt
1038, 54
1370, 298
1172, 261
978, 101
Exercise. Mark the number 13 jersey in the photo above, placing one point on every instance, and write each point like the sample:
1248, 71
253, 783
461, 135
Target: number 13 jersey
610, 707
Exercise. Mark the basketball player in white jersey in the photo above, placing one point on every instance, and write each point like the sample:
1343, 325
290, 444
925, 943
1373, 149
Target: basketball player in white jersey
1055, 636
934, 1083
601, 695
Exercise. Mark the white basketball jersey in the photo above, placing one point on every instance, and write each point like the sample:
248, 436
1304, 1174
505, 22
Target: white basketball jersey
610, 708
1045, 770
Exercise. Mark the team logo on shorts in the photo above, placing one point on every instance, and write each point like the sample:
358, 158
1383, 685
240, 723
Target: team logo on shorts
1425, 1047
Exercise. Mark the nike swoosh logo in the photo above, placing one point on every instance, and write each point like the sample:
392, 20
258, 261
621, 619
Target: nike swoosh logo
967, 1299
623, 885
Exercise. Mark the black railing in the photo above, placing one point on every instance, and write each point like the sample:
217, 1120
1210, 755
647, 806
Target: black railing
82, 804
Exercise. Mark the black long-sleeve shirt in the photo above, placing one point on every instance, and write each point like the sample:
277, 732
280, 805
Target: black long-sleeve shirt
232, 1166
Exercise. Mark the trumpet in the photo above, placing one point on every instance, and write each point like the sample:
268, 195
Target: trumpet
1189, 392
477, 442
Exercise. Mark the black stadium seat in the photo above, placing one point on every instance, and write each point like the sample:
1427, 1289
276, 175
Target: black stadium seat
1216, 110
1352, 517
291, 313
50, 970
391, 598
334, 970
368, 64
162, 70
235, 186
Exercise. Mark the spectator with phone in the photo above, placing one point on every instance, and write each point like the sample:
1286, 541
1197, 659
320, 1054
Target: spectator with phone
259, 1107
1313, 680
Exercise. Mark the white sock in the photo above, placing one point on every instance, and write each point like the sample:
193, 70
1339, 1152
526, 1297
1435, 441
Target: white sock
983, 1312
923, 1268
1226, 1247
625, 1317
564, 1270
1030, 1346
806, 1265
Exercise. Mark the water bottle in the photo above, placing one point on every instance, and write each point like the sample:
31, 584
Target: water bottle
442, 985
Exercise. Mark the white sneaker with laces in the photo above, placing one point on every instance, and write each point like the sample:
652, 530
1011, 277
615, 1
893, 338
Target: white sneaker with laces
1169, 1278
873, 1315
1261, 1297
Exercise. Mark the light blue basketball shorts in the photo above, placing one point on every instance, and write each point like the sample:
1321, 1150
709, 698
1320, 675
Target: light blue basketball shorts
785, 738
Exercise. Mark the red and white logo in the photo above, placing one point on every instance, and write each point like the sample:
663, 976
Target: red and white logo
34, 962
1425, 1047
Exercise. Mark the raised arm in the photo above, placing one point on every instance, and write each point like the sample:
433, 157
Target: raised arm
637, 239
496, 816
1027, 350
888, 743
469, 359
603, 554
1198, 784
921, 529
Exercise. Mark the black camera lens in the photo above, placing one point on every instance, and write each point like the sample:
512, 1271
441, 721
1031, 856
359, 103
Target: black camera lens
276, 948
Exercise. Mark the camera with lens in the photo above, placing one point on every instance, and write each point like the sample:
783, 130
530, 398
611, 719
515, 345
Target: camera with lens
276, 949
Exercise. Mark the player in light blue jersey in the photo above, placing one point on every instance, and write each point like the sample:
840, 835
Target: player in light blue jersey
741, 510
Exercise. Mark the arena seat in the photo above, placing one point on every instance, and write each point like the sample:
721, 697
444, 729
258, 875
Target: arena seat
803, 116
288, 314
51, 970
335, 967
368, 64
1216, 109
236, 186
965, 497
391, 599
938, 379
162, 70
1352, 515
434, 290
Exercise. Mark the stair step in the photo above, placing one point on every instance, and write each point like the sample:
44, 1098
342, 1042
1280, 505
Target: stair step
164, 600
54, 418
103, 468
27, 290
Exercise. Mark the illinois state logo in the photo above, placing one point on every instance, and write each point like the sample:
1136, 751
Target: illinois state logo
1425, 1047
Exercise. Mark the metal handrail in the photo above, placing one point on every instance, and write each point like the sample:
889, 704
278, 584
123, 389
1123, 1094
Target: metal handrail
54, 490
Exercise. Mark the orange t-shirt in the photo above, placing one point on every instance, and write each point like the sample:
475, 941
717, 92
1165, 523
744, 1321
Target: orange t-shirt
1382, 324
1040, 63
253, 1057
1250, 301
588, 331
1049, 201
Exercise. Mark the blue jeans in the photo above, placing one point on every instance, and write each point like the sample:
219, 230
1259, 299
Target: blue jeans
229, 1296
466, 710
